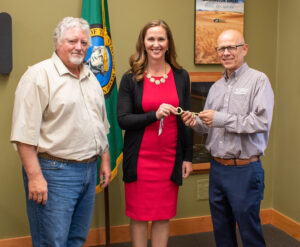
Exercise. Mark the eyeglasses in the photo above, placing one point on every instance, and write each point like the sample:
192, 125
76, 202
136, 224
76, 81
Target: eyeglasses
230, 48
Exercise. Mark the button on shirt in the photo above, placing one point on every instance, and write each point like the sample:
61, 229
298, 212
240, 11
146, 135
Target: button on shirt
243, 105
59, 113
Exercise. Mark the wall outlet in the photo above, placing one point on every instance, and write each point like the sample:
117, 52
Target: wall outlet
202, 189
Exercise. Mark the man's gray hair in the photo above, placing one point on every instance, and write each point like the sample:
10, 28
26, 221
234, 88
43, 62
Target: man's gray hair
69, 22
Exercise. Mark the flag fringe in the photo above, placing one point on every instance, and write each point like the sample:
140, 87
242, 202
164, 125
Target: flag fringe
113, 172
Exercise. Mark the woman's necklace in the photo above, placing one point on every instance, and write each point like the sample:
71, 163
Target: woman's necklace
161, 80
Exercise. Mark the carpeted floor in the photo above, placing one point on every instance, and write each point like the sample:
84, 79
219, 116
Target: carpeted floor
273, 236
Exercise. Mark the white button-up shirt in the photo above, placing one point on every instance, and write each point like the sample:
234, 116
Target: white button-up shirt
59, 113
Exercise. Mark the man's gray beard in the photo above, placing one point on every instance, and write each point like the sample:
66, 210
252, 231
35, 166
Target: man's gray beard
76, 60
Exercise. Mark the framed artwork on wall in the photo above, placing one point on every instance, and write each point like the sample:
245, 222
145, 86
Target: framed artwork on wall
211, 18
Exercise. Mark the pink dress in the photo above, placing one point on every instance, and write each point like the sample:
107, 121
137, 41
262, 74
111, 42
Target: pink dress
154, 196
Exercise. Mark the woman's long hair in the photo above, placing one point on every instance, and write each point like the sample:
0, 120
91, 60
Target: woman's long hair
139, 60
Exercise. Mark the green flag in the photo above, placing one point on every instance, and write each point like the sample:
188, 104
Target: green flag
100, 59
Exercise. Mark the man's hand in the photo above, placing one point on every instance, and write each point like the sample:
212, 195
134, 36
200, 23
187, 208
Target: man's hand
37, 185
188, 119
207, 117
105, 172
187, 168
37, 189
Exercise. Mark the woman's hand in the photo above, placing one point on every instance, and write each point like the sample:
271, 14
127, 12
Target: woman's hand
165, 110
187, 168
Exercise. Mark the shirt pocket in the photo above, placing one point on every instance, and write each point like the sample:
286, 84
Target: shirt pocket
239, 102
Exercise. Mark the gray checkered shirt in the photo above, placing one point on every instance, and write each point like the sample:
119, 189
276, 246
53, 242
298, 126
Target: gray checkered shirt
243, 107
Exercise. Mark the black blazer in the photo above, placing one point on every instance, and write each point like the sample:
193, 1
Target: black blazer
133, 120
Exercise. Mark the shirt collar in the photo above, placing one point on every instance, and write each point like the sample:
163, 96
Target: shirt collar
62, 69
237, 73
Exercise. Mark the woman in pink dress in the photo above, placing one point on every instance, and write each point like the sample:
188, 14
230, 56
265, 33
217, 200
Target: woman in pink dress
157, 145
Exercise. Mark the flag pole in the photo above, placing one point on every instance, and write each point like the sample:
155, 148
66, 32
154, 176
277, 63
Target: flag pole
107, 216
106, 193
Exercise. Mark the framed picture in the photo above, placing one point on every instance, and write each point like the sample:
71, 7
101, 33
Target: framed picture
211, 18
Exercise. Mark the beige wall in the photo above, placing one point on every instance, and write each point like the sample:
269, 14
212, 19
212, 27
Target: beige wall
286, 182
33, 24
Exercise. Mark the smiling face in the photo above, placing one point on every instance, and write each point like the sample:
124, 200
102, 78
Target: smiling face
73, 47
156, 43
232, 60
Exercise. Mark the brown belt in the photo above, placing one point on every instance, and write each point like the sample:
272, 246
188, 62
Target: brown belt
238, 162
50, 157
